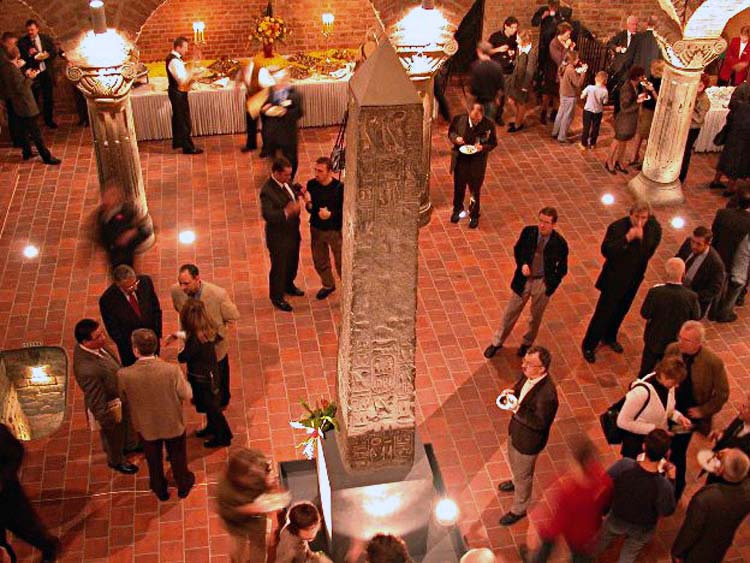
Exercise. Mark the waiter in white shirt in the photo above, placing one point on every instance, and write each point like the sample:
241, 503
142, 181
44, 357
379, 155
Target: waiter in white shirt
257, 80
180, 79
529, 429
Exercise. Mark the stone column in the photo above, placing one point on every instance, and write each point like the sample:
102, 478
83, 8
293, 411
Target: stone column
107, 91
425, 89
377, 342
658, 181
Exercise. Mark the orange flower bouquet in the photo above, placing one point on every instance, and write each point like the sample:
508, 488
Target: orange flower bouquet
268, 30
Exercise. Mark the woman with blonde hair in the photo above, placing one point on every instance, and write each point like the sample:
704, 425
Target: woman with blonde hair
203, 372
648, 107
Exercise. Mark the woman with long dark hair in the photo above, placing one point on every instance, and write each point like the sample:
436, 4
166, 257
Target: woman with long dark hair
203, 372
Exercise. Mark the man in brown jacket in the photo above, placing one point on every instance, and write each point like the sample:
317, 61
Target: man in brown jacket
220, 308
703, 393
154, 390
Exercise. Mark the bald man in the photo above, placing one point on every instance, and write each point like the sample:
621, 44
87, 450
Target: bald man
715, 512
479, 555
666, 307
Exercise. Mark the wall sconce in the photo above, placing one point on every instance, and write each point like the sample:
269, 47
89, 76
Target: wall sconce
328, 20
199, 32
98, 17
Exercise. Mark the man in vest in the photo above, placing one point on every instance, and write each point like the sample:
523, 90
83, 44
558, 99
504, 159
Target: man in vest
180, 79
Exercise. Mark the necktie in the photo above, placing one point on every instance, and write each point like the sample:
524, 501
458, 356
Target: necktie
689, 261
134, 304
289, 191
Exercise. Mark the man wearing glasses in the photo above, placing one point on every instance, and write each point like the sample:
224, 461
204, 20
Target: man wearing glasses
128, 304
529, 428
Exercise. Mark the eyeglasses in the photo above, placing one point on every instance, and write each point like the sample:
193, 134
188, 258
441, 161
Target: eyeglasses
525, 364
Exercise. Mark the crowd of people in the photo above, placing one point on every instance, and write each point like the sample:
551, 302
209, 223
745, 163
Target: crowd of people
135, 398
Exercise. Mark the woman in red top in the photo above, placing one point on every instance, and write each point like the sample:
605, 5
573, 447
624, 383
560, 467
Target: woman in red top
577, 502
736, 60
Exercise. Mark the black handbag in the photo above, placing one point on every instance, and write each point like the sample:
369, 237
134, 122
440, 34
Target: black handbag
608, 419
721, 137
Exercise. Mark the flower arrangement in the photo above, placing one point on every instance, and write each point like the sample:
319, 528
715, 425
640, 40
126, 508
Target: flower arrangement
316, 422
269, 29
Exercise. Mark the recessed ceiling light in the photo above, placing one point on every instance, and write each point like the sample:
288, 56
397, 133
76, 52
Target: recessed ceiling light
678, 222
31, 251
608, 199
187, 237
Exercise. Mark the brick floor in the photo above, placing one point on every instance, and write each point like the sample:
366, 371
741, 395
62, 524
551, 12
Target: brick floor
278, 358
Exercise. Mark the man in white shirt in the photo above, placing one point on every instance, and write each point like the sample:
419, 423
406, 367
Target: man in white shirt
180, 79
529, 428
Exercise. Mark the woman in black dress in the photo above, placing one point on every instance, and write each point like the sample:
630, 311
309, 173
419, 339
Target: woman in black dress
734, 162
199, 354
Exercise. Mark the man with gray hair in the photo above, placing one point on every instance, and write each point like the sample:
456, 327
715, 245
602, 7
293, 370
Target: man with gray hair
700, 396
714, 513
628, 246
128, 304
666, 307
622, 45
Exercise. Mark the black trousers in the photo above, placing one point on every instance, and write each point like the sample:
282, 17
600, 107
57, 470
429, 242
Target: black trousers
649, 359
692, 137
468, 173
15, 129
608, 316
224, 393
678, 455
284, 264
177, 453
252, 132
29, 130
591, 124
43, 89
181, 124
18, 516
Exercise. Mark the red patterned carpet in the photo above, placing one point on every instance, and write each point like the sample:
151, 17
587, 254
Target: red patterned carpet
278, 358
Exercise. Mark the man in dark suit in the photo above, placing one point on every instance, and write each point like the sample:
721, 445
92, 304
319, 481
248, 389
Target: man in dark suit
487, 81
541, 255
704, 269
735, 435
281, 112
17, 86
731, 229
180, 80
666, 307
628, 245
280, 208
623, 46
714, 514
7, 45
129, 303
39, 52
529, 428
473, 137
646, 48
95, 370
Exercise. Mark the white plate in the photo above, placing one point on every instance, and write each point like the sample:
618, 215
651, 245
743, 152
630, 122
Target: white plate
275, 111
468, 149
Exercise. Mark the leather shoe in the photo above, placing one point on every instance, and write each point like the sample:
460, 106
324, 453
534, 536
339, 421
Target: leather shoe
506, 487
295, 291
203, 432
455, 217
125, 468
53, 161
512, 128
192, 151
491, 350
616, 347
589, 356
162, 496
510, 518
214, 443
473, 223
522, 349
730, 318
282, 305
185, 492
324, 292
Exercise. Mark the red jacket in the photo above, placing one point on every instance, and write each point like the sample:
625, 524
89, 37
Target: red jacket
733, 57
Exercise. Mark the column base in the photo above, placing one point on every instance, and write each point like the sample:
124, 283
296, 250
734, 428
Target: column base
425, 213
151, 240
656, 193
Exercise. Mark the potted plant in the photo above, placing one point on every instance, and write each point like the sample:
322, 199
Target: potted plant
316, 422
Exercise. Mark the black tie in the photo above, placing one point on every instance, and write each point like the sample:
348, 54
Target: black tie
689, 262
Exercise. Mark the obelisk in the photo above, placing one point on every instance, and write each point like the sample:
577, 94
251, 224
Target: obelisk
375, 476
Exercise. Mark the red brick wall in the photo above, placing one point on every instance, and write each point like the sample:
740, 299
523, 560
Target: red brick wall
228, 24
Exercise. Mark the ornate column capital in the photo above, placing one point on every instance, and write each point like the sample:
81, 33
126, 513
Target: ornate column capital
103, 83
692, 54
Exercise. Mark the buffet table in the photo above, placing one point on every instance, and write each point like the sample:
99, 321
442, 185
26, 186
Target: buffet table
221, 111
715, 118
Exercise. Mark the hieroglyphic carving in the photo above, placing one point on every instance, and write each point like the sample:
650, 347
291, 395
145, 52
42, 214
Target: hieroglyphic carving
378, 336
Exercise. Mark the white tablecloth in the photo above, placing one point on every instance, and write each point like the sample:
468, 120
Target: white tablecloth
715, 118
221, 111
